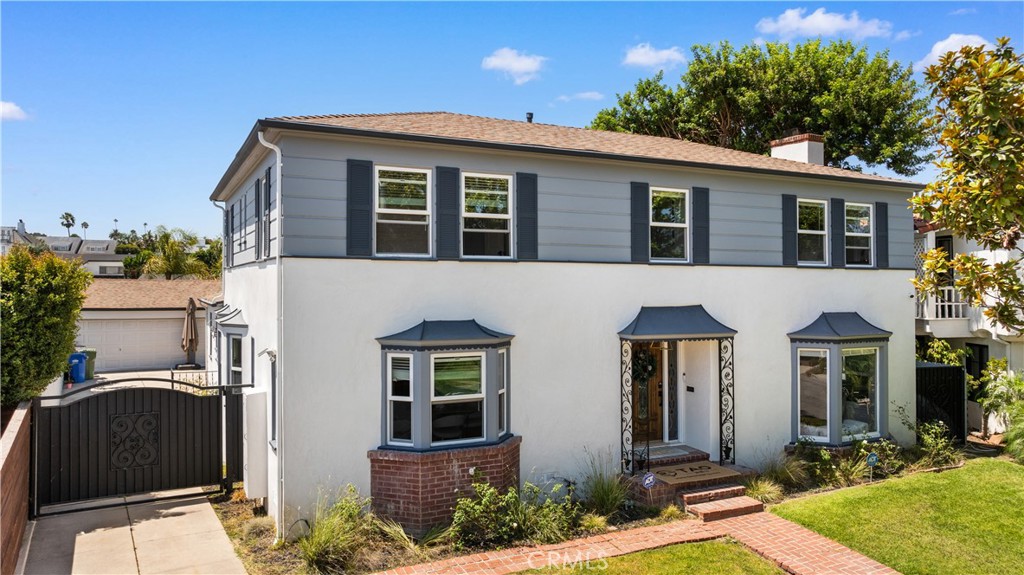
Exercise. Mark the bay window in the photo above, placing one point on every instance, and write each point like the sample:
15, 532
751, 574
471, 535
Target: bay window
813, 394
457, 398
860, 392
399, 388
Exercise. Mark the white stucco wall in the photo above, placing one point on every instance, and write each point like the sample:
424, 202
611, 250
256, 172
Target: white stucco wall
565, 356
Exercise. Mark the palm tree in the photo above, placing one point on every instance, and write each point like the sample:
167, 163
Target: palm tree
85, 228
172, 257
68, 221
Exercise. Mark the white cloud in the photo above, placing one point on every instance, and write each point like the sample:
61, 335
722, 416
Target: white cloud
647, 56
793, 23
905, 35
521, 67
963, 11
593, 96
11, 111
951, 44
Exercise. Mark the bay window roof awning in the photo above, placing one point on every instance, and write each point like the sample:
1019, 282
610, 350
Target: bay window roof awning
690, 322
230, 317
840, 327
446, 333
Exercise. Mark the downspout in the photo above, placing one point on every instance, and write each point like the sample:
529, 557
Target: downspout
279, 364
223, 272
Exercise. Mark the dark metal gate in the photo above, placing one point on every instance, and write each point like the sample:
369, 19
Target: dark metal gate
113, 440
942, 396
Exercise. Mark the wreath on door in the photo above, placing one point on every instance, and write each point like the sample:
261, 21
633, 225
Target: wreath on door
644, 366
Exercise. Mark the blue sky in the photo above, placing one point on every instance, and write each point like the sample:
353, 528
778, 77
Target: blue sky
133, 111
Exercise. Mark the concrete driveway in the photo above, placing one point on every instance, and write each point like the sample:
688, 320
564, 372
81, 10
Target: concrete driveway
170, 536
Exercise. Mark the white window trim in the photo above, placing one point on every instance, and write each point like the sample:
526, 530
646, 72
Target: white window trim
392, 398
231, 359
463, 215
377, 210
503, 405
482, 397
828, 395
825, 234
652, 224
870, 235
878, 384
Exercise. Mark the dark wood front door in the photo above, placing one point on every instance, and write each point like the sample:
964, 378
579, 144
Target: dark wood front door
648, 390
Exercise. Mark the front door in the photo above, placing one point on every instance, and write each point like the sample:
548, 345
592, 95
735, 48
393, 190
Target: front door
648, 390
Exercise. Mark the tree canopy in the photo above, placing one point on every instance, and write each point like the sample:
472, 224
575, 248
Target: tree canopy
172, 255
979, 194
40, 300
864, 106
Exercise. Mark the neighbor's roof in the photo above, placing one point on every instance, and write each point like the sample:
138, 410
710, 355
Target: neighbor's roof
476, 131
129, 294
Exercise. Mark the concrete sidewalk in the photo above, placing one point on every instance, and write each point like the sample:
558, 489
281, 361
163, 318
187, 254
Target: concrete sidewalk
170, 536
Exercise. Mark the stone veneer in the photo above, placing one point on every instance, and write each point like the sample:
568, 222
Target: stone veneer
419, 489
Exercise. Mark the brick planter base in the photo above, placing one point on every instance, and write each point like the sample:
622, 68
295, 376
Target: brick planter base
419, 489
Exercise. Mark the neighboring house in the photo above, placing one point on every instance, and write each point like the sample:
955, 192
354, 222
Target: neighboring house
448, 294
11, 236
99, 257
947, 316
137, 324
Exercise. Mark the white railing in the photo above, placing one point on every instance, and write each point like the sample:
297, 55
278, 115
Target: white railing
946, 305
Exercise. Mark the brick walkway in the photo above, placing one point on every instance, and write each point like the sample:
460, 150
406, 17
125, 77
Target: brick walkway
792, 547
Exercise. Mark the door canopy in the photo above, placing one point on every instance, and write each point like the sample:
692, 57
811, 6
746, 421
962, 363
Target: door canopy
689, 322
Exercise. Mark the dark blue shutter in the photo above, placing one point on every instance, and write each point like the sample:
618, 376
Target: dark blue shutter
258, 217
266, 213
448, 213
526, 216
701, 226
838, 233
789, 231
360, 208
882, 234
640, 221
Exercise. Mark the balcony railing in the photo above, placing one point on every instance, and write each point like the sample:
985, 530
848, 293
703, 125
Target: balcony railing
946, 305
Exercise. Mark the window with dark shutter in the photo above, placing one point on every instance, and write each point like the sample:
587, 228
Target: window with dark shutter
258, 214
266, 213
640, 222
526, 216
701, 226
359, 208
882, 234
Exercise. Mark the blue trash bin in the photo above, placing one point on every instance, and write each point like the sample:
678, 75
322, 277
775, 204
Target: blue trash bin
76, 365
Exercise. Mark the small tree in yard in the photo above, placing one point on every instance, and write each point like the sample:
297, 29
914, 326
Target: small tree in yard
979, 124
41, 297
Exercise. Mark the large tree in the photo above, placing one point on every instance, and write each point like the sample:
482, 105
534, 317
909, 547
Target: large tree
979, 193
864, 106
67, 219
41, 297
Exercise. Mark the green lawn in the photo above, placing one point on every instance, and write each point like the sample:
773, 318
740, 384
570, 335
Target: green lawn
707, 558
969, 520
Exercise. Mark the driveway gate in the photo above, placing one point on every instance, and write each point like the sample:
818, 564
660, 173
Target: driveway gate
109, 440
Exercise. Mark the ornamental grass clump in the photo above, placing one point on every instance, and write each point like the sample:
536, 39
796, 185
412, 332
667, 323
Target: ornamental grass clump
764, 489
340, 530
787, 471
603, 489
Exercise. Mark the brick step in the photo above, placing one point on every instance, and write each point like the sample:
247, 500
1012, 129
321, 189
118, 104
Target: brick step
695, 496
658, 461
725, 508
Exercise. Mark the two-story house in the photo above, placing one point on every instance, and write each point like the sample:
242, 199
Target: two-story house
422, 297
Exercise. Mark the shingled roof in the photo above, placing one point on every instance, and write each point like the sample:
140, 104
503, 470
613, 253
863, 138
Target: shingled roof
131, 294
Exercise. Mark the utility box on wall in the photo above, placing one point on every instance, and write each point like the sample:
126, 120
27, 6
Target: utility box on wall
254, 452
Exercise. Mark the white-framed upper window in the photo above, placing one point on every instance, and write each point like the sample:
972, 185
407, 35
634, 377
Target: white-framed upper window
860, 393
669, 224
812, 232
813, 394
457, 397
399, 389
486, 215
402, 200
502, 396
858, 234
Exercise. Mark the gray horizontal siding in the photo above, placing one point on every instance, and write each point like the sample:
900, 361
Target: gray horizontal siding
583, 206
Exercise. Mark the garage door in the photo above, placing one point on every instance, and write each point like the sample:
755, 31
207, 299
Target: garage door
136, 344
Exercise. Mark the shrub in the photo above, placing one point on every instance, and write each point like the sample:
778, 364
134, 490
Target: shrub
936, 445
258, 528
490, 518
764, 490
592, 523
890, 456
339, 531
1014, 435
604, 491
41, 298
850, 470
832, 470
671, 513
785, 470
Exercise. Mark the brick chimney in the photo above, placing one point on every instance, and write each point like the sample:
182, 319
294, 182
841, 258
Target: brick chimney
806, 148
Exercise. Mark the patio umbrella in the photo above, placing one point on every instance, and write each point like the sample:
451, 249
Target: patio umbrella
189, 337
